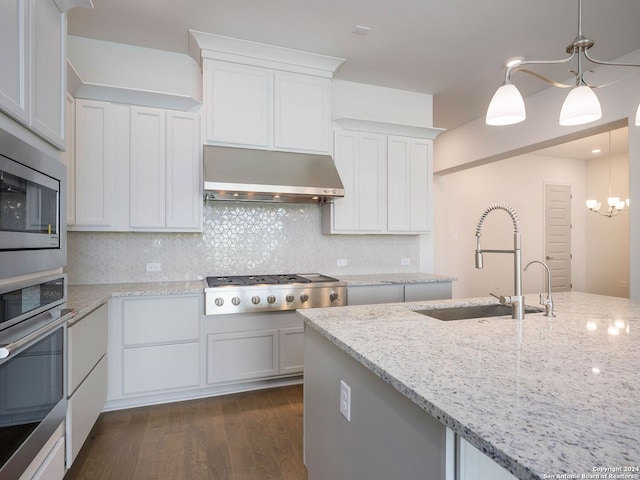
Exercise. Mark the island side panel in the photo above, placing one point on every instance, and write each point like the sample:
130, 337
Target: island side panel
388, 436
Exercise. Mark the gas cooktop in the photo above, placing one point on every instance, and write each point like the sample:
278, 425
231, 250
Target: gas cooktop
278, 279
276, 292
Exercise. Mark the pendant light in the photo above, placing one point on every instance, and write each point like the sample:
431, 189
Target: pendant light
580, 106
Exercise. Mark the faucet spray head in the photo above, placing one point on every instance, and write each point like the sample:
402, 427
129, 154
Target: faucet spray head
479, 261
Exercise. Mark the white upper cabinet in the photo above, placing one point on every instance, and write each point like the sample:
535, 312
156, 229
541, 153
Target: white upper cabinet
14, 58
387, 180
301, 112
263, 96
136, 168
256, 107
184, 172
69, 156
147, 167
237, 104
33, 66
166, 185
48, 71
409, 176
361, 160
94, 175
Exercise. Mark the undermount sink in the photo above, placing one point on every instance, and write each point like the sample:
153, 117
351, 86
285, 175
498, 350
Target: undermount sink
474, 311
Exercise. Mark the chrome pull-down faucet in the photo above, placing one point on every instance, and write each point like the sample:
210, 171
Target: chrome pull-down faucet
517, 300
548, 302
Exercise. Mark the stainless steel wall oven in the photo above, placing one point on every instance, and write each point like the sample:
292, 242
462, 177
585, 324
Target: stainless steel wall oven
32, 369
32, 209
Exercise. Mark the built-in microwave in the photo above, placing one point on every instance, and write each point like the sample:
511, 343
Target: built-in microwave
32, 209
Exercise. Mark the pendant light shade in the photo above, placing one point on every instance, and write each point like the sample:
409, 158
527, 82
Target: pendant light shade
506, 107
581, 106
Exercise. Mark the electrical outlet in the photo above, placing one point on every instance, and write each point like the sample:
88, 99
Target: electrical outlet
154, 267
345, 400
405, 261
342, 262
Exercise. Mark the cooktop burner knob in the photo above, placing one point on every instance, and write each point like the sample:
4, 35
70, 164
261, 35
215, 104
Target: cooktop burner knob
304, 297
235, 301
271, 299
333, 296
219, 301
255, 300
290, 298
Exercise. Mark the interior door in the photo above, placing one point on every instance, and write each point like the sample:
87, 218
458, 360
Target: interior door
557, 248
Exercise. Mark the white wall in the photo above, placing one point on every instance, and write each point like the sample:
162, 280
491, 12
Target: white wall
477, 144
607, 268
460, 199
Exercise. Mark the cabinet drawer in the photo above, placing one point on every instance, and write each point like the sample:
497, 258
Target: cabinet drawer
372, 294
162, 367
242, 355
160, 320
427, 291
87, 344
84, 407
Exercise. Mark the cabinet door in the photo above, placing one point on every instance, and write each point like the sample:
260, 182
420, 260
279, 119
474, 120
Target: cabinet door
301, 112
48, 70
361, 162
69, 158
53, 468
147, 167
291, 343
86, 345
14, 64
409, 178
242, 355
237, 104
94, 157
415, 292
84, 407
184, 167
475, 465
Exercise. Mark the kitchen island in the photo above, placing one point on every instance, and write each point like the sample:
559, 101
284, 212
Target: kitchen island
542, 397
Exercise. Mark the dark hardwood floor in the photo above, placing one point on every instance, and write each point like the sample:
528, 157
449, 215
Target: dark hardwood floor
254, 435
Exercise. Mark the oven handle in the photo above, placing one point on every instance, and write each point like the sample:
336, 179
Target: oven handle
7, 350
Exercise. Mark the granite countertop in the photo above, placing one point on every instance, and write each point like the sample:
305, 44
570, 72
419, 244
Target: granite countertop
393, 278
82, 299
542, 397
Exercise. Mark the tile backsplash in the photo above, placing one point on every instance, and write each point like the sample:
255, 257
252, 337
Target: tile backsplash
238, 238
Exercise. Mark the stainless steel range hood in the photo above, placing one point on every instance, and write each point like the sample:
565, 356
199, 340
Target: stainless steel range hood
242, 174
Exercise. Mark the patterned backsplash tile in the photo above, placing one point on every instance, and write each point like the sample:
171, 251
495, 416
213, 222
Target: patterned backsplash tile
238, 238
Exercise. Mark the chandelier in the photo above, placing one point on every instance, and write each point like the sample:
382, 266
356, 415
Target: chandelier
581, 104
615, 205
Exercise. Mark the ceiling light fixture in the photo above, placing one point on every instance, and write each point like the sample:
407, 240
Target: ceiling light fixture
615, 206
581, 104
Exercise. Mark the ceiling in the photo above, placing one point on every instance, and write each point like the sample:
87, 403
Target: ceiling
591, 148
453, 49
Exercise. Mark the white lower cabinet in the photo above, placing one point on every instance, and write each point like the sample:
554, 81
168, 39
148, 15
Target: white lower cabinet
291, 344
253, 346
398, 293
242, 355
154, 345
475, 465
49, 463
87, 377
